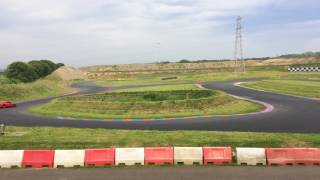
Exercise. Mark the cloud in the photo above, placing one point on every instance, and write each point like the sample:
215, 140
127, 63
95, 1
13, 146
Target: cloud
82, 32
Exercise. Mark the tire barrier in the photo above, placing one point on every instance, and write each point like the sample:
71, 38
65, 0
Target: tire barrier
188, 155
38, 158
251, 156
99, 157
69, 158
158, 156
129, 156
293, 156
10, 158
217, 155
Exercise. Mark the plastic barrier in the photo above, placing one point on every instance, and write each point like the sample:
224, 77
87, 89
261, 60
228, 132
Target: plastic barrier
68, 158
129, 156
188, 155
293, 156
158, 155
10, 158
38, 158
217, 155
251, 156
100, 157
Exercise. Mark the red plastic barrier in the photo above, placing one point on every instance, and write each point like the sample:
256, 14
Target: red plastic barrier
38, 158
217, 155
158, 155
293, 156
99, 157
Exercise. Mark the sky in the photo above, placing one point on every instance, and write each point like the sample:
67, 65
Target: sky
95, 32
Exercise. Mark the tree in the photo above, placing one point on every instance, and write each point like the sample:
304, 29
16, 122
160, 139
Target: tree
21, 71
52, 66
41, 69
59, 65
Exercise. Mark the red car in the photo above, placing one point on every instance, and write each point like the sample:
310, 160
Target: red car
7, 104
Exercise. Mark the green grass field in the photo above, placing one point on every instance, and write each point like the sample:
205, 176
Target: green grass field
161, 88
34, 90
194, 77
148, 102
290, 87
73, 138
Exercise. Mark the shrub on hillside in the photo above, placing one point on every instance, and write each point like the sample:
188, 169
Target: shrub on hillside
33, 70
21, 71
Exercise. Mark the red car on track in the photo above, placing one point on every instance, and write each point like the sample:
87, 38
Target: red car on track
7, 104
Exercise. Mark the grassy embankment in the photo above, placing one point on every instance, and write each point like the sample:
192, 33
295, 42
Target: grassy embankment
73, 138
290, 87
27, 91
148, 102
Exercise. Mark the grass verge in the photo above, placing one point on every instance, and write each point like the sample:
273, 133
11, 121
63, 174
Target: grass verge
34, 90
75, 138
290, 87
148, 102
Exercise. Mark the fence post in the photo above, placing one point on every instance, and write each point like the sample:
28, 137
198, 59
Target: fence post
2, 129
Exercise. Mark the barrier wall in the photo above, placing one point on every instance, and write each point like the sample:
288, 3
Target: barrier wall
69, 158
129, 156
293, 156
158, 155
38, 158
100, 157
251, 156
188, 155
217, 155
10, 158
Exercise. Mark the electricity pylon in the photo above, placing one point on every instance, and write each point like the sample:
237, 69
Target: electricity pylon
239, 64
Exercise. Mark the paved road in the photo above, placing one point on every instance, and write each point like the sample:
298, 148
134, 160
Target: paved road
290, 114
167, 173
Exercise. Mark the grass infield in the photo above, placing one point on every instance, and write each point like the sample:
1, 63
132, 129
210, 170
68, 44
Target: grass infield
148, 102
290, 87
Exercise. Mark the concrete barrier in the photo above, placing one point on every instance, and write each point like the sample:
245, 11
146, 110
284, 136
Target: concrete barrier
129, 156
188, 155
69, 158
251, 156
10, 158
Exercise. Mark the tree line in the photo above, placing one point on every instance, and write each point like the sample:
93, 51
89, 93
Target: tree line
30, 71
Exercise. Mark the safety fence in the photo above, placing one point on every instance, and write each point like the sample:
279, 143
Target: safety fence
158, 156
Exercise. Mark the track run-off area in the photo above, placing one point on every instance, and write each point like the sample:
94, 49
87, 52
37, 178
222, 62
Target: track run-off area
284, 113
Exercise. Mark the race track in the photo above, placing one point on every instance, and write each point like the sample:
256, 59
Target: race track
290, 114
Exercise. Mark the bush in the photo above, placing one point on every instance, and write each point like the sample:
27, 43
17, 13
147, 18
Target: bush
21, 71
33, 70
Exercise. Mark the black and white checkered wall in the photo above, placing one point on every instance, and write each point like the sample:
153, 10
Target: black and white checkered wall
304, 69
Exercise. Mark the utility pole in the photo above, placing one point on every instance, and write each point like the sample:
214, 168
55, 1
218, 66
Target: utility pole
239, 64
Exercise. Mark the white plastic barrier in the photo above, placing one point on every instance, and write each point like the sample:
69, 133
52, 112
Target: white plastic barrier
10, 158
251, 156
69, 158
129, 156
188, 155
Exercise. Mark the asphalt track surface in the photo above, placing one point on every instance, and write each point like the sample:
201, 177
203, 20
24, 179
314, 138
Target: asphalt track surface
167, 173
290, 114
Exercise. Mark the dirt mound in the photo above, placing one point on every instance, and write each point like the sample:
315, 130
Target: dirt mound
66, 73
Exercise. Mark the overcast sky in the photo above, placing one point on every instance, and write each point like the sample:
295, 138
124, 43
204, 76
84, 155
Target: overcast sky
91, 32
